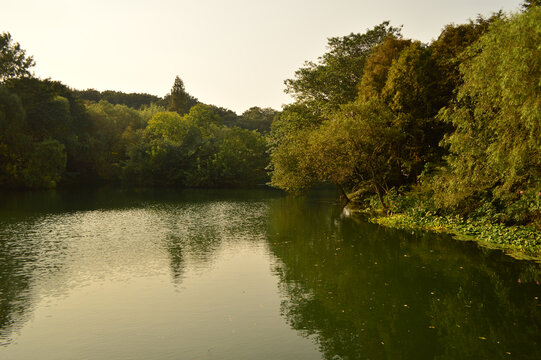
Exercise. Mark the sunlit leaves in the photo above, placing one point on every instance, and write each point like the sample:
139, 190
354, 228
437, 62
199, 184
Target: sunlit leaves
333, 80
378, 64
496, 145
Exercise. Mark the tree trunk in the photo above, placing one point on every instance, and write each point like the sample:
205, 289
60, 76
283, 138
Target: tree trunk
380, 196
345, 196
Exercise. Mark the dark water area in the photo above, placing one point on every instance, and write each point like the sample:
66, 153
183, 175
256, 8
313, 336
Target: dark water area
248, 274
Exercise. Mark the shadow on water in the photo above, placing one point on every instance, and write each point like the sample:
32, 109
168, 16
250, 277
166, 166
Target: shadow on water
17, 204
363, 291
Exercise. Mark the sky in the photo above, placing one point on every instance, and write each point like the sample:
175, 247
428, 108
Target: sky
230, 53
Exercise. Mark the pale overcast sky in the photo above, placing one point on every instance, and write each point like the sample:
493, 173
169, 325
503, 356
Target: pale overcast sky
231, 53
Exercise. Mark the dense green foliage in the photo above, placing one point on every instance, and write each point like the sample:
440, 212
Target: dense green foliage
195, 150
48, 134
495, 150
52, 135
333, 81
133, 100
454, 123
256, 118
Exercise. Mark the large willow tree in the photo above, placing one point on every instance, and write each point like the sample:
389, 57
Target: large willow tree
495, 150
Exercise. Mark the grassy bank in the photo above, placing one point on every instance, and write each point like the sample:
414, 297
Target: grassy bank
521, 242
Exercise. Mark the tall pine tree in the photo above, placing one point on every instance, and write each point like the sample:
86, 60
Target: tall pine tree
179, 100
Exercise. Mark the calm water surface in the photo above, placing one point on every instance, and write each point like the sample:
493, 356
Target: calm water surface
162, 274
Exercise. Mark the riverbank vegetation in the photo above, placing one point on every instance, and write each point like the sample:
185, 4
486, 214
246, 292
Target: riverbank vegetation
518, 238
448, 130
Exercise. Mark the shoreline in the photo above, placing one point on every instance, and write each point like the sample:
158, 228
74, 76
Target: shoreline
519, 242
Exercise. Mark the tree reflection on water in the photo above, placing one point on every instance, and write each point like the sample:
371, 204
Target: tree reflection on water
363, 291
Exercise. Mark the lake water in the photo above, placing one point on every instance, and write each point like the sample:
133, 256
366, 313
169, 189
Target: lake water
165, 274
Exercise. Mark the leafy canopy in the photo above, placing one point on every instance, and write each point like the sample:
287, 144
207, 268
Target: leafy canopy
496, 146
333, 80
13, 59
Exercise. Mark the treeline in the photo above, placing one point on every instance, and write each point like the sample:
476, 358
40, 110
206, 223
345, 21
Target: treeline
133, 100
51, 135
450, 127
